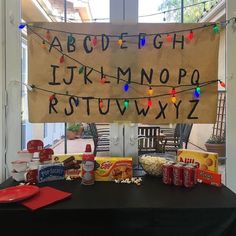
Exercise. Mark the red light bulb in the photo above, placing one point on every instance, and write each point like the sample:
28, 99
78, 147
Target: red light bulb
169, 38
173, 91
51, 97
48, 35
103, 80
62, 59
149, 102
101, 103
222, 84
94, 41
190, 35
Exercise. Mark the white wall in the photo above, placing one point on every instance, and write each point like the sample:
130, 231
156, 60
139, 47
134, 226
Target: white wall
2, 86
13, 73
200, 133
231, 97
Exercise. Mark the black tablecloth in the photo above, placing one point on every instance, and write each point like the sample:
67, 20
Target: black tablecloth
107, 208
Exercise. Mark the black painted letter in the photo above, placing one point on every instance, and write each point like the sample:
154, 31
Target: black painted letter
54, 67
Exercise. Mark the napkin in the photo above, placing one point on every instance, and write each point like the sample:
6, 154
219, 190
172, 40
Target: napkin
45, 197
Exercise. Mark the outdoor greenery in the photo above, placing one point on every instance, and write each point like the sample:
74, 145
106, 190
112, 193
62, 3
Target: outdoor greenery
191, 14
216, 139
74, 127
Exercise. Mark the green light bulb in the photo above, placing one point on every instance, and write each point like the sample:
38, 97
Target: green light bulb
198, 89
216, 29
81, 69
126, 104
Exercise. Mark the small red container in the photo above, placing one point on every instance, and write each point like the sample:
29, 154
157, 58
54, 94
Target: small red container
167, 173
178, 174
46, 154
189, 176
34, 146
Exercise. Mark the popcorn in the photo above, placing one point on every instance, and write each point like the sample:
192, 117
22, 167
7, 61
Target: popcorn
152, 164
133, 180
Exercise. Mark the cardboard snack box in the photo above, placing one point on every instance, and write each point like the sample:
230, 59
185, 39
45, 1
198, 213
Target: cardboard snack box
72, 163
111, 168
204, 160
209, 177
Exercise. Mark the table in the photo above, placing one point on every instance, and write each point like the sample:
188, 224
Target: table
107, 208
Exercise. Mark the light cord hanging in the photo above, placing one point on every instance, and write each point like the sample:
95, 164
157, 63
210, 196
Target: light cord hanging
127, 98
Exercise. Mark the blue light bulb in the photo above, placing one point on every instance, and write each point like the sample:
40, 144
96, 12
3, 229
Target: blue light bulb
21, 26
143, 41
126, 87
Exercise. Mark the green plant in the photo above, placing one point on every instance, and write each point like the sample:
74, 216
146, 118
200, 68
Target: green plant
74, 127
216, 139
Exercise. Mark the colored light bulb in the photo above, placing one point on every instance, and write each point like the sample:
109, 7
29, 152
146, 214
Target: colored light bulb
149, 102
173, 99
62, 59
48, 35
190, 35
77, 102
120, 41
173, 91
101, 103
216, 29
81, 69
94, 41
142, 41
169, 38
21, 26
126, 103
126, 87
70, 38
198, 89
52, 97
43, 45
196, 94
103, 80
222, 84
150, 91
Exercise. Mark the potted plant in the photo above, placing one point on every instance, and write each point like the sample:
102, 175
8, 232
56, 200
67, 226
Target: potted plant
80, 130
216, 144
74, 130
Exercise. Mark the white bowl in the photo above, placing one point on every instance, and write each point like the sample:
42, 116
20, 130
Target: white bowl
25, 154
19, 165
33, 165
18, 176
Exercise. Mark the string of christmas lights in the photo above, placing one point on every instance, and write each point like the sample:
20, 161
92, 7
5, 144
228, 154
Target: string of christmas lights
172, 92
214, 25
47, 37
196, 88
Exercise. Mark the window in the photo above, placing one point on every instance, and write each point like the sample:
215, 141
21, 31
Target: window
54, 134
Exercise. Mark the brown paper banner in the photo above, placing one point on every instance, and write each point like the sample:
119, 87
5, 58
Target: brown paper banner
159, 62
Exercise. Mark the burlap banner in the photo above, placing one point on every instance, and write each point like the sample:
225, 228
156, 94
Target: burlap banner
78, 78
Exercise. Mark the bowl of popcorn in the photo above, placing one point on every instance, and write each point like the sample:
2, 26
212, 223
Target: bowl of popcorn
152, 165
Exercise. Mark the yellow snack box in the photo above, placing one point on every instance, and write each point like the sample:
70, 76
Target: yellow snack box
205, 160
72, 163
111, 168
